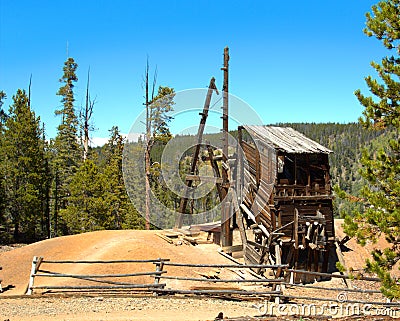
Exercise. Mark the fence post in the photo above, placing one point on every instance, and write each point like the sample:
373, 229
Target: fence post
1, 288
35, 267
159, 268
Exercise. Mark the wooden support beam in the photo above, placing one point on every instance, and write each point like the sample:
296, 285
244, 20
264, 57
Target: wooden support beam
239, 222
304, 198
344, 240
248, 212
253, 218
197, 178
214, 165
233, 248
296, 228
204, 115
226, 231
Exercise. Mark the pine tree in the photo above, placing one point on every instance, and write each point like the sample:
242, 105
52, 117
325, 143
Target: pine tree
66, 149
381, 197
134, 179
86, 210
160, 107
121, 212
45, 188
22, 166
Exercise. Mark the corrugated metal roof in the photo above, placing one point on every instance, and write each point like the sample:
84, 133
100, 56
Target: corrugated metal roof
286, 139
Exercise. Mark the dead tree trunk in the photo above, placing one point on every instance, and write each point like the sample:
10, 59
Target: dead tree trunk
148, 148
87, 114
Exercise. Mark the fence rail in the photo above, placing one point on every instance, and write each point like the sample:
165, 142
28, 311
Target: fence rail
104, 262
180, 278
236, 266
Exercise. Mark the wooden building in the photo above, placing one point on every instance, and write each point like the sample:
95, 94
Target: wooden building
284, 195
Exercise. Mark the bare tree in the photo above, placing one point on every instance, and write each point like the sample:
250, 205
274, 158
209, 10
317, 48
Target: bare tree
149, 139
85, 116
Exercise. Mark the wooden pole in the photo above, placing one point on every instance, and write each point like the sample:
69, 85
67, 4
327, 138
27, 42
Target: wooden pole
226, 232
239, 167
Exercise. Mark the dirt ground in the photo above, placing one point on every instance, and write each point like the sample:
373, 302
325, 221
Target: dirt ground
132, 245
73, 308
355, 254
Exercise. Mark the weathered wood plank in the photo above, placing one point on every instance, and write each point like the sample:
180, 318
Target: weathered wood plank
197, 178
233, 248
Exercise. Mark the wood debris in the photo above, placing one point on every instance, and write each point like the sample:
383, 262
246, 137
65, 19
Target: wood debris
187, 238
211, 274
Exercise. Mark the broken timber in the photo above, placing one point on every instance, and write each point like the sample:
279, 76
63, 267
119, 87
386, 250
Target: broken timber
204, 115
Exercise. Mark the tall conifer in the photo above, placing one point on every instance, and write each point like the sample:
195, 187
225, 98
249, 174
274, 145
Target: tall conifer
121, 212
22, 166
67, 153
381, 197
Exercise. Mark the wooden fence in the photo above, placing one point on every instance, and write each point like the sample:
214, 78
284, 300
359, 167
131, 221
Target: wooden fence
216, 290
104, 279
278, 286
156, 287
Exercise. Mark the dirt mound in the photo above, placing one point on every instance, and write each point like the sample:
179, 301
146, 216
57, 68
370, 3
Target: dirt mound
101, 245
355, 255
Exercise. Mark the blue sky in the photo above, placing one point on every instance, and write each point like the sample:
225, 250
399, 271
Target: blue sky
292, 61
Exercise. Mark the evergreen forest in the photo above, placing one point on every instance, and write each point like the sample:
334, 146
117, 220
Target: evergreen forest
63, 186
